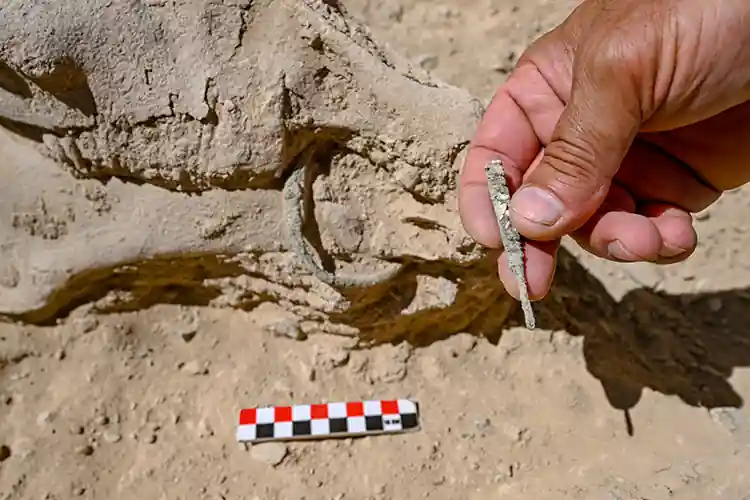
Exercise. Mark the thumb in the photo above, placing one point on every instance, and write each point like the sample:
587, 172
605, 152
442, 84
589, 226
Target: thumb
587, 146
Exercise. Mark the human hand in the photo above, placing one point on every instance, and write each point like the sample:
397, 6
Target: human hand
612, 129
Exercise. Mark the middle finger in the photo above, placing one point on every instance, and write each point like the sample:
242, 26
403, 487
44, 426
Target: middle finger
651, 175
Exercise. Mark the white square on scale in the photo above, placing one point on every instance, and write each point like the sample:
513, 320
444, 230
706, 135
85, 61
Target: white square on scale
372, 408
300, 413
356, 424
265, 415
246, 433
337, 410
392, 423
282, 430
406, 406
320, 427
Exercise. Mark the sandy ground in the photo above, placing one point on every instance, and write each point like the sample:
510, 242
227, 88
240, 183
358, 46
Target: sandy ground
144, 405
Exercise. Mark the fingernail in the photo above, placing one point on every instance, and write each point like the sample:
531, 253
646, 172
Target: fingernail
669, 252
617, 251
537, 205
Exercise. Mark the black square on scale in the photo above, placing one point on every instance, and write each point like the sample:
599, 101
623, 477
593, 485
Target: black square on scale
264, 431
338, 425
301, 428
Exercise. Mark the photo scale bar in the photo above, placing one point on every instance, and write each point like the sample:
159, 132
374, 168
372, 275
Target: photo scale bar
327, 420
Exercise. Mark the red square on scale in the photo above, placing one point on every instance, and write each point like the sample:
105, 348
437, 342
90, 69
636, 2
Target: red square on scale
389, 407
282, 414
355, 409
318, 411
247, 416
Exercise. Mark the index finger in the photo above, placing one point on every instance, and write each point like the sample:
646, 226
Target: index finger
504, 133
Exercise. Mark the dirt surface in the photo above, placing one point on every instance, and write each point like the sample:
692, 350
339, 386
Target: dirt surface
632, 389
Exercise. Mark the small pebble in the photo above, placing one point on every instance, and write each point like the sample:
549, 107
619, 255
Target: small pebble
85, 324
43, 418
329, 358
408, 176
286, 326
204, 429
151, 438
194, 368
483, 424
112, 436
102, 420
187, 331
85, 450
339, 357
269, 453
23, 448
428, 62
462, 345
76, 429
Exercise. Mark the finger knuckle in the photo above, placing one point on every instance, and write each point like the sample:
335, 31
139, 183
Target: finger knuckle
574, 162
618, 56
612, 53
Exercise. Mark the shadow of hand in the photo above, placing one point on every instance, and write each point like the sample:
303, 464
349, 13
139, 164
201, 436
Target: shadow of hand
683, 345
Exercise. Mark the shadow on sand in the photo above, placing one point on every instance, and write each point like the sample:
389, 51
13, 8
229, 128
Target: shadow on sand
685, 345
